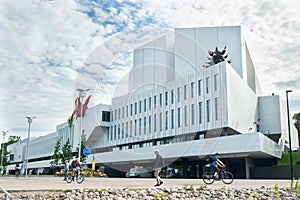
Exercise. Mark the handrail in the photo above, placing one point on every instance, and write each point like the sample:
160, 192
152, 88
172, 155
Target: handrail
7, 195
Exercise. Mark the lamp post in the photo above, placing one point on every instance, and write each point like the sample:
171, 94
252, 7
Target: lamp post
289, 131
3, 133
81, 96
29, 120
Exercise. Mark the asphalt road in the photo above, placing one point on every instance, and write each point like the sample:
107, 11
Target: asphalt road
56, 183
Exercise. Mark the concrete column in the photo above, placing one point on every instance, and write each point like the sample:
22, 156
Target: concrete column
248, 164
184, 167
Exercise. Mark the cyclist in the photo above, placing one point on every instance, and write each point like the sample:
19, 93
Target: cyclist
75, 167
216, 165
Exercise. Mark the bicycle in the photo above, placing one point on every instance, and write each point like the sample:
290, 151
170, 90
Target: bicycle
209, 176
78, 175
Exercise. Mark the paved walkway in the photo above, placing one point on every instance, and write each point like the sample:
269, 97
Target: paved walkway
56, 183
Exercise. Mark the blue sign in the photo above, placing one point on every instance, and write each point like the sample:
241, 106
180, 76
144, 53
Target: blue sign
87, 151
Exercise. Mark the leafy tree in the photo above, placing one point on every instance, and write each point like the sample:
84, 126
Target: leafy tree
11, 139
67, 151
57, 154
296, 117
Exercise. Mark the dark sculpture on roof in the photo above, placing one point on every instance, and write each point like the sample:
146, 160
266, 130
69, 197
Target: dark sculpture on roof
216, 57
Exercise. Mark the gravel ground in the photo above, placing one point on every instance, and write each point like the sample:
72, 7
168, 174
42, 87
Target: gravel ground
185, 192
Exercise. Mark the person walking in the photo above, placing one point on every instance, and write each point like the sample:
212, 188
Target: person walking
66, 169
157, 165
17, 170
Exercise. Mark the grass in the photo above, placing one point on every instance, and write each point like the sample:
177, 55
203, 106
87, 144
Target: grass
285, 159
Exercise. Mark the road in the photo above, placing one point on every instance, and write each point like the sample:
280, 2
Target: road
56, 183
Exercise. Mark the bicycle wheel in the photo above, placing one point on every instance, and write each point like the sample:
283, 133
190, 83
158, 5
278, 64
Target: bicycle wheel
227, 177
80, 178
69, 178
208, 178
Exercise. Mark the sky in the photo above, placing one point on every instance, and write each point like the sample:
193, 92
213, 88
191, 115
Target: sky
45, 45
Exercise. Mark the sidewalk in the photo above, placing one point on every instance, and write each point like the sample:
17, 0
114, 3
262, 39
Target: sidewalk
56, 183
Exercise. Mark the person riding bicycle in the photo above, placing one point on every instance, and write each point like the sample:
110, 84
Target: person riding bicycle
216, 165
75, 167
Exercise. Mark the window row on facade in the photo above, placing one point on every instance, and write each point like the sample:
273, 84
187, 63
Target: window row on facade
175, 118
163, 99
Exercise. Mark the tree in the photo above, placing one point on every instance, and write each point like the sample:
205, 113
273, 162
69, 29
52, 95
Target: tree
11, 139
67, 151
57, 154
296, 117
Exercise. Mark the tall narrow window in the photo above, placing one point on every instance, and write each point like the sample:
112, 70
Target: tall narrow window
135, 127
145, 105
126, 111
172, 119
123, 112
119, 131
166, 98
200, 112
119, 113
179, 117
192, 89
172, 96
184, 92
208, 110
199, 87
217, 102
130, 129
140, 107
150, 103
155, 99
160, 121
135, 108
166, 122
149, 124
207, 85
178, 94
140, 126
193, 114
131, 109
160, 99
145, 124
216, 82
126, 129
185, 115
123, 131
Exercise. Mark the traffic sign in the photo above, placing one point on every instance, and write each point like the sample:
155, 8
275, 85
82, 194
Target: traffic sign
87, 151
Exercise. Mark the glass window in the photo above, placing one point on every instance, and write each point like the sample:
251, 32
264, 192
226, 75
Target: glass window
149, 103
155, 99
200, 112
172, 96
192, 89
179, 117
185, 91
135, 108
145, 124
208, 110
166, 98
140, 126
160, 99
166, 122
155, 128
145, 105
126, 111
150, 124
172, 118
207, 85
160, 121
199, 87
178, 94
140, 107
131, 109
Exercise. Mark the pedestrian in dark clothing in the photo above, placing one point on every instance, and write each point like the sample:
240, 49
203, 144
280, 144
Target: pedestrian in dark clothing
66, 169
157, 165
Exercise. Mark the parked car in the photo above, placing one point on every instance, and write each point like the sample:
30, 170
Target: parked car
139, 172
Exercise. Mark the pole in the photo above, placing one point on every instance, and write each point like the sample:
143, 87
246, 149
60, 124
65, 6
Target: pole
29, 120
289, 131
79, 151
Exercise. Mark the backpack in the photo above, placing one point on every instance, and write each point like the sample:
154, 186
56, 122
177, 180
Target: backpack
210, 159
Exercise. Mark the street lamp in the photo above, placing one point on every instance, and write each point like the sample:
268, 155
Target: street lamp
81, 96
29, 120
289, 131
3, 133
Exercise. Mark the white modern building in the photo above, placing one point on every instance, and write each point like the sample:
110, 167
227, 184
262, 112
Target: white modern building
184, 110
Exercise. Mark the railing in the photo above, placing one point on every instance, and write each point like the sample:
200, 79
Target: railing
7, 195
